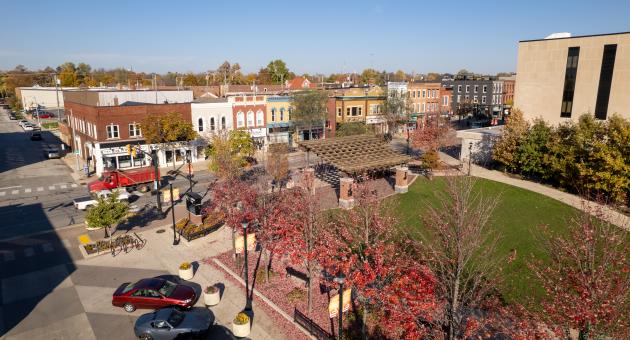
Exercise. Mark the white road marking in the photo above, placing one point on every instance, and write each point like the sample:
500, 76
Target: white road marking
47, 247
27, 190
15, 186
40, 189
28, 252
74, 185
66, 243
52, 187
15, 192
9, 256
63, 186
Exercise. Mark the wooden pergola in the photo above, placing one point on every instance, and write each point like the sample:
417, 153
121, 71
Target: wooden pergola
356, 154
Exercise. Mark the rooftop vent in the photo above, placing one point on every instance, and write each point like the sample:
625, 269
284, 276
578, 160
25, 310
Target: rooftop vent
558, 35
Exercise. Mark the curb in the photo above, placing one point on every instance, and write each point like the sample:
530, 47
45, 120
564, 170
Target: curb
262, 297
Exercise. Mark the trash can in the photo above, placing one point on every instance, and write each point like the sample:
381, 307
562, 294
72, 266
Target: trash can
193, 203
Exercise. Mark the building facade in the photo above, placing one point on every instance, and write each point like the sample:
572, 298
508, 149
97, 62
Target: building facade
36, 96
100, 133
425, 97
560, 79
211, 117
360, 105
279, 119
249, 113
485, 96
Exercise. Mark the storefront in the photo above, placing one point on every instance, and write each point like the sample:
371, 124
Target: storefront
278, 132
114, 155
259, 136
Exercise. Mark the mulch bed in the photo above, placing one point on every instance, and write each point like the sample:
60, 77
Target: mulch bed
279, 287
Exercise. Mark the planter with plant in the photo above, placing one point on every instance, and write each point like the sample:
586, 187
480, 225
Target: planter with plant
186, 271
240, 325
211, 296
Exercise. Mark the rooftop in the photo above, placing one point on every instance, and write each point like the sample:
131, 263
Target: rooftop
574, 37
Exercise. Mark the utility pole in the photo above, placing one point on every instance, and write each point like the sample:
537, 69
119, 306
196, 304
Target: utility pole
155, 86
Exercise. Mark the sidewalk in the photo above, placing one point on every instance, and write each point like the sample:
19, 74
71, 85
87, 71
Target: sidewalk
575, 201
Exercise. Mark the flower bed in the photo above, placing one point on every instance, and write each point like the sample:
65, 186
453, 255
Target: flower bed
286, 292
191, 231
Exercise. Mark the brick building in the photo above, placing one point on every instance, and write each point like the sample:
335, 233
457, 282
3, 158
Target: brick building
249, 113
425, 97
100, 133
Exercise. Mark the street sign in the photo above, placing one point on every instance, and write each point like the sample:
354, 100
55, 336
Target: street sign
333, 305
251, 243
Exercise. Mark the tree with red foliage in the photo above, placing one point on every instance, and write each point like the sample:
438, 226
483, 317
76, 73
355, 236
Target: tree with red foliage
237, 200
430, 135
587, 277
360, 244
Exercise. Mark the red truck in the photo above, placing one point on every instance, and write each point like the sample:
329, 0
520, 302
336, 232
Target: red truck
137, 179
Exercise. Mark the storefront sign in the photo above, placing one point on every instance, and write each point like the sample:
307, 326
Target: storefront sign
123, 149
333, 305
259, 132
251, 243
374, 120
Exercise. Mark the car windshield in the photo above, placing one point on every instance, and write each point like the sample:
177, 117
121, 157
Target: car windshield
167, 288
129, 287
175, 318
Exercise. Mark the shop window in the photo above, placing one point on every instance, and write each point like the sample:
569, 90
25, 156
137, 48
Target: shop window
124, 161
168, 156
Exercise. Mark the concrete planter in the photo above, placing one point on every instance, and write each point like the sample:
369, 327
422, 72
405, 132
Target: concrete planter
212, 298
186, 274
240, 331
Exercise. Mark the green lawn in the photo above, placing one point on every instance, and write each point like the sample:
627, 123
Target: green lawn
515, 218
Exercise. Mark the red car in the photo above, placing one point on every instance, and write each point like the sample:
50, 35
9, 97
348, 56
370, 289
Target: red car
153, 294
45, 115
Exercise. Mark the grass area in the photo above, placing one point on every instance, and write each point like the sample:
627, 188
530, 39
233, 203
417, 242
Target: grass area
516, 217
51, 125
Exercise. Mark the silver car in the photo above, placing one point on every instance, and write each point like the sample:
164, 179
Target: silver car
171, 323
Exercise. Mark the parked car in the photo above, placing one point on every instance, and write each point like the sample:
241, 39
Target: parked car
51, 153
85, 202
171, 323
12, 117
45, 115
36, 136
22, 122
28, 127
153, 293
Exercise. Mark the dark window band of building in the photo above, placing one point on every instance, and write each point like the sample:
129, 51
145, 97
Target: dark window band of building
605, 81
569, 82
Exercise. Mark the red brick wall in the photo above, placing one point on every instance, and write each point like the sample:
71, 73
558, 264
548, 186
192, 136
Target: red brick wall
245, 108
331, 117
121, 116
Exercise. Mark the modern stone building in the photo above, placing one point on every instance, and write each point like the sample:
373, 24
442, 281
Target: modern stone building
561, 78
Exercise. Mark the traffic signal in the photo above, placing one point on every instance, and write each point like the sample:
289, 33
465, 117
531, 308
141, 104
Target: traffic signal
133, 152
128, 146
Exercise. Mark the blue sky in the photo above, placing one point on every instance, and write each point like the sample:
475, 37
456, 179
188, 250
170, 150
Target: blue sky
310, 36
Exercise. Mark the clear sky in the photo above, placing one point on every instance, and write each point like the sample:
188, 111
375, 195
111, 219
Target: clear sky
310, 36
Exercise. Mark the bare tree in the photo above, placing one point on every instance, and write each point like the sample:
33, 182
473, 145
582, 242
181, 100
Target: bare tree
460, 249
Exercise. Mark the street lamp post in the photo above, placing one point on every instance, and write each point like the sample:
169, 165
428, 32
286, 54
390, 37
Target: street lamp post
469, 156
248, 302
57, 83
156, 164
175, 240
340, 279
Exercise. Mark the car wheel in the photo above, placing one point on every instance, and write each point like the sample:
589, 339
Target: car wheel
146, 336
129, 307
144, 188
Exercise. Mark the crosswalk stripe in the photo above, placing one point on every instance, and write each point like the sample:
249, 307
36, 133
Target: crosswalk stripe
8, 256
27, 190
47, 247
40, 189
15, 192
28, 252
63, 186
74, 185
52, 187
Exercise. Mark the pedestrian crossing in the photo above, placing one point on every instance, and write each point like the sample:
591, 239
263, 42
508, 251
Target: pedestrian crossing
31, 251
11, 191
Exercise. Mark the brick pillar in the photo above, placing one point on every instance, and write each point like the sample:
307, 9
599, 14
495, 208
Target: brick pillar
308, 179
402, 179
346, 199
